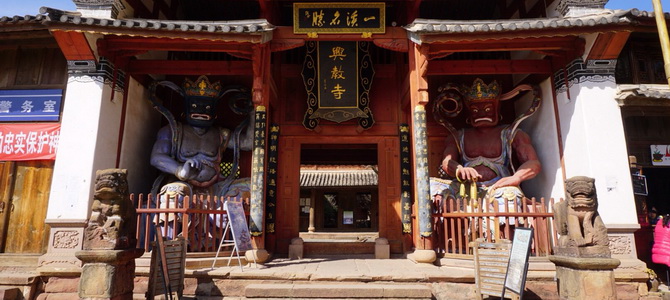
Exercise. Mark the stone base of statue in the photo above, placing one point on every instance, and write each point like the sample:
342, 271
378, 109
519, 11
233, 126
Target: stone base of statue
585, 277
584, 252
422, 256
107, 274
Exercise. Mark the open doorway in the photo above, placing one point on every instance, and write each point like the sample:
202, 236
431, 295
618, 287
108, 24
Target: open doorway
339, 192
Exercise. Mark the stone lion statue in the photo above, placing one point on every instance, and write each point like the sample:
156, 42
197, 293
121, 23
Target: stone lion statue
577, 218
113, 217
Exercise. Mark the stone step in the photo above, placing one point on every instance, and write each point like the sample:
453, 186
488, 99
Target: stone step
19, 260
338, 291
316, 248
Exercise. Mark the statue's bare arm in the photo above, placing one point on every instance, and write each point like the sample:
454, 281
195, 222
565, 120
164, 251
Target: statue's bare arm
452, 166
160, 153
530, 165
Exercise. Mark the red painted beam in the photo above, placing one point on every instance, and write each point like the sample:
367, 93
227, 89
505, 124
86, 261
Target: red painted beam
608, 45
159, 44
475, 67
73, 45
190, 67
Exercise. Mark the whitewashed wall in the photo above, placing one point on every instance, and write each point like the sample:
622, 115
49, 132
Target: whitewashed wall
595, 146
141, 125
541, 128
88, 142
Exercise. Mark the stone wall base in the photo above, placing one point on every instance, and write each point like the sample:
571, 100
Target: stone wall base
204, 288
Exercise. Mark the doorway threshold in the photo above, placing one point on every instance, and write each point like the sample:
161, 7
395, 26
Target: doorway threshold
338, 237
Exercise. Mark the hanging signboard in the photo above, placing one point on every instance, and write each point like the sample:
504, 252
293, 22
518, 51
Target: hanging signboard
30, 105
639, 184
338, 76
29, 141
313, 18
660, 155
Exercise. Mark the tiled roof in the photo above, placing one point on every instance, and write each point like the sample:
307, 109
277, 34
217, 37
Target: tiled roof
338, 177
607, 17
118, 26
630, 91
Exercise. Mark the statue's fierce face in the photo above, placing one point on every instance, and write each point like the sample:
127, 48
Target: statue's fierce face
200, 111
484, 113
581, 193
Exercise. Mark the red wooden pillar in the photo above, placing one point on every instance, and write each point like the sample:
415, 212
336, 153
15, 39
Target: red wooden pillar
422, 228
261, 99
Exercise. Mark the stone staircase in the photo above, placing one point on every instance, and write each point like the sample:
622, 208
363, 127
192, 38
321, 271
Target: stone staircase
338, 243
18, 278
338, 291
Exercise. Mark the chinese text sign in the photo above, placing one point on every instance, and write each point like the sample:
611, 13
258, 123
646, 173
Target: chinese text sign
29, 141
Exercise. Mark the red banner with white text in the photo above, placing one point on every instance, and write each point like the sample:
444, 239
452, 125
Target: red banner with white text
29, 141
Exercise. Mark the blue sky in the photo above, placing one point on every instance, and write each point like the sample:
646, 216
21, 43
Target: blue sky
32, 7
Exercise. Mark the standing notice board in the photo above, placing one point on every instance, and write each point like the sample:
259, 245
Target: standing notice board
517, 268
238, 224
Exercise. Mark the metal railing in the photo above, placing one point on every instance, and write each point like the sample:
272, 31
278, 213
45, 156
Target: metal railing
199, 219
458, 223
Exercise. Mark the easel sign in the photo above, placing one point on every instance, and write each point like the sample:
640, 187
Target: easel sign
517, 268
238, 224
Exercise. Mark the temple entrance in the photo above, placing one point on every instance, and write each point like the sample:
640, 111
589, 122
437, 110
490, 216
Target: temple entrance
339, 193
351, 171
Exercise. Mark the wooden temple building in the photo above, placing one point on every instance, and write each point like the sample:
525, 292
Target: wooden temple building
357, 167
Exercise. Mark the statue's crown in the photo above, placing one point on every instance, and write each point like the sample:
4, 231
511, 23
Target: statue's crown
480, 91
202, 87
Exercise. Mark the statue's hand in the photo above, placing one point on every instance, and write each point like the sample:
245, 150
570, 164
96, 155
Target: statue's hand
188, 170
506, 181
467, 174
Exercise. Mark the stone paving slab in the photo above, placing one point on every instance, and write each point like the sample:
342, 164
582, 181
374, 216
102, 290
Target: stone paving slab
339, 291
339, 269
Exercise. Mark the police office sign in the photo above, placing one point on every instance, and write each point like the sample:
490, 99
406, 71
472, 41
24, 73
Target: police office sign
21, 138
30, 105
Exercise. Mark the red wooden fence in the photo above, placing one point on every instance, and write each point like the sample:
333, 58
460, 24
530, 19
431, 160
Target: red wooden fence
199, 219
457, 223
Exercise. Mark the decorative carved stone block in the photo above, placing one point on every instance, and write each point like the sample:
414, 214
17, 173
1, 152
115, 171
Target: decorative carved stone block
113, 217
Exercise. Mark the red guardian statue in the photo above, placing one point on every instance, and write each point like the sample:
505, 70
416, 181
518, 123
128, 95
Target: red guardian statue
480, 157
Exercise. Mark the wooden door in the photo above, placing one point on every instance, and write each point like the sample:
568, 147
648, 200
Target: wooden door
26, 231
6, 187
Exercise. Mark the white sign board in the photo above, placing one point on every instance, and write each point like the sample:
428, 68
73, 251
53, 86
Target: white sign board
660, 155
517, 268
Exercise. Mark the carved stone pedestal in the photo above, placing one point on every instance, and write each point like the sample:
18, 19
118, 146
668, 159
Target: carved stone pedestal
107, 274
585, 278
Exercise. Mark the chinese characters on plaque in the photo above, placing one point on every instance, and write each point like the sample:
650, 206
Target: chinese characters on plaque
338, 76
257, 173
29, 141
422, 188
406, 180
271, 185
314, 18
30, 105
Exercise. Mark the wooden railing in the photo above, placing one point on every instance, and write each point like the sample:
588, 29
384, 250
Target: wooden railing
458, 223
201, 220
